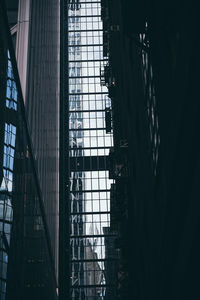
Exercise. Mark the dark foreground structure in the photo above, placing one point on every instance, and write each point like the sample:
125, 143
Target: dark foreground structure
99, 125
26, 260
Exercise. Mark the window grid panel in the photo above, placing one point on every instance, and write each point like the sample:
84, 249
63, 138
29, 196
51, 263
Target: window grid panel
6, 186
89, 190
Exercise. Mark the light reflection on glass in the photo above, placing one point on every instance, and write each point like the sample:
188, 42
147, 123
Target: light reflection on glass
6, 186
90, 190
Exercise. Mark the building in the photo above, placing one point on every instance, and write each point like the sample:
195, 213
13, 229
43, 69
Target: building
94, 273
27, 267
150, 75
99, 179
89, 144
37, 54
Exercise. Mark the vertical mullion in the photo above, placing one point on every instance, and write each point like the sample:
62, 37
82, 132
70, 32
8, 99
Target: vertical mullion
64, 205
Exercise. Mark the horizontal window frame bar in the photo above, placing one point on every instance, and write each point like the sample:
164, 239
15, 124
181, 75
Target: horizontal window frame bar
85, 30
89, 148
84, 16
89, 2
88, 129
91, 286
6, 193
93, 260
7, 168
90, 212
92, 93
91, 236
86, 110
86, 45
88, 60
80, 77
6, 222
3, 279
90, 191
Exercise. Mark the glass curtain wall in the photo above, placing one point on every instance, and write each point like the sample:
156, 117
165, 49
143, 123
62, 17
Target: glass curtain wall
26, 261
8, 140
89, 146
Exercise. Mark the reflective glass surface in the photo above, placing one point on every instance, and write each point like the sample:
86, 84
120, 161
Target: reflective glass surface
88, 141
26, 261
6, 185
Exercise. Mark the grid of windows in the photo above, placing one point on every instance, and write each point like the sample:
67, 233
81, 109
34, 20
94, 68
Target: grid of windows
26, 261
88, 38
88, 8
6, 186
11, 90
90, 186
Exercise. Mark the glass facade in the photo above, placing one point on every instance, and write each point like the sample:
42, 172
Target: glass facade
26, 261
89, 146
6, 184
